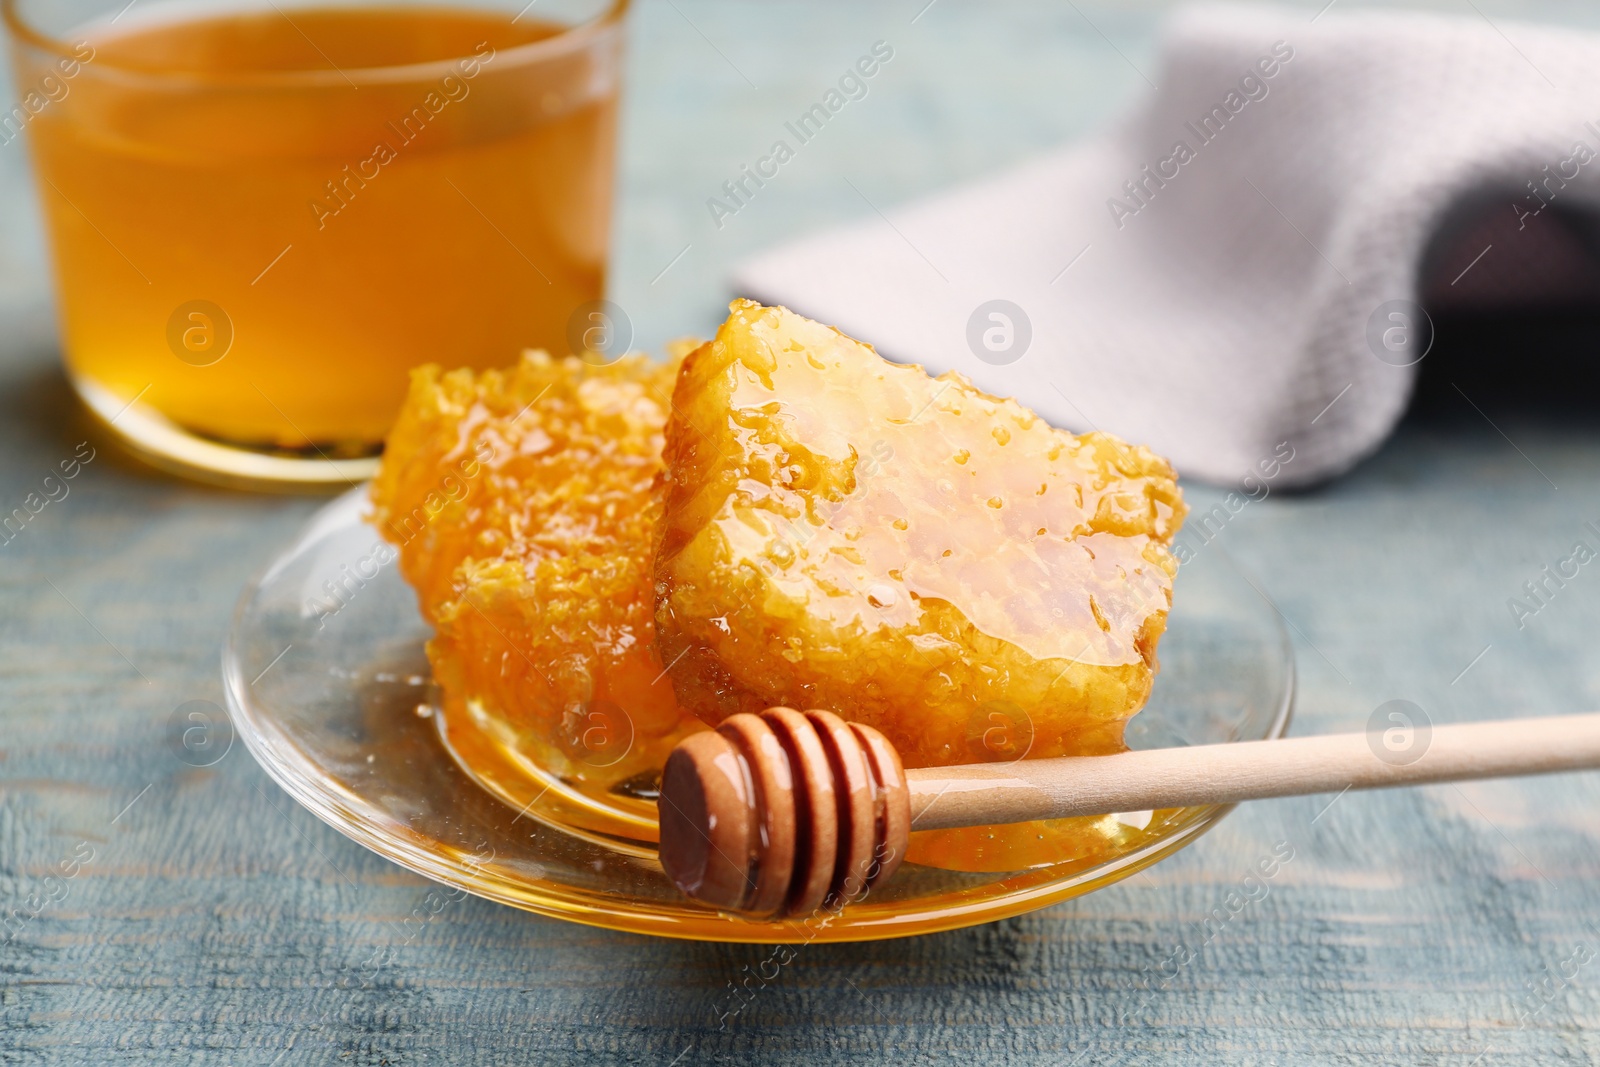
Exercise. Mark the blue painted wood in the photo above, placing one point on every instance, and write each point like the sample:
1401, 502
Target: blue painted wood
212, 921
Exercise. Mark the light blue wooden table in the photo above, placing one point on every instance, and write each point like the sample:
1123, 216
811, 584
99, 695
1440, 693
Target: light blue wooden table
210, 920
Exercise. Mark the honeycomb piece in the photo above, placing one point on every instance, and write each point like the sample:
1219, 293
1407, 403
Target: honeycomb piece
521, 505
847, 533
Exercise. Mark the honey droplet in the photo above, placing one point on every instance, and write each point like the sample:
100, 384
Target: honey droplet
882, 596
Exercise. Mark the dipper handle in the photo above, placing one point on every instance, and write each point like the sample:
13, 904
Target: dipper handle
781, 813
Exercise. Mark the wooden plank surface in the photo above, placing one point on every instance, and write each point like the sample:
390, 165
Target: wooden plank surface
208, 919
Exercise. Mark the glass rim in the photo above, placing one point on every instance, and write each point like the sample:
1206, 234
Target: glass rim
570, 39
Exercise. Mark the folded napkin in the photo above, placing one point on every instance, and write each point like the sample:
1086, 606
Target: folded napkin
1233, 273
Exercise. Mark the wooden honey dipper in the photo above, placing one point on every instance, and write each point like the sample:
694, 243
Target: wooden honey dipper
782, 813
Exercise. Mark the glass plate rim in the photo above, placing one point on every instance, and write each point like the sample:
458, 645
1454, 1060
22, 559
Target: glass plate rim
321, 797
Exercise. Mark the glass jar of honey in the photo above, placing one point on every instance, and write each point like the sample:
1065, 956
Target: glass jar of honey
263, 215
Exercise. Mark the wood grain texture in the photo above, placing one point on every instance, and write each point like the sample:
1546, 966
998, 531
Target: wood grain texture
983, 794
217, 923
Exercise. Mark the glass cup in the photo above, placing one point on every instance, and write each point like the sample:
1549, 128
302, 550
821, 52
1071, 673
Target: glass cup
262, 216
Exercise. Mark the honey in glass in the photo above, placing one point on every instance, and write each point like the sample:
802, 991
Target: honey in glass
263, 215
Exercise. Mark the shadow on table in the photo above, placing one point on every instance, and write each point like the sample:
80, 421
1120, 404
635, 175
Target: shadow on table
36, 403
42, 421
1493, 381
1530, 366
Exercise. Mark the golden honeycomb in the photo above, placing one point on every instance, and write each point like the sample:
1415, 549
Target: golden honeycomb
847, 533
521, 504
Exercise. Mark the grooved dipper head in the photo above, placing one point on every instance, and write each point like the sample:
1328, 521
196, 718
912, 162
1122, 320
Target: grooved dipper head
782, 813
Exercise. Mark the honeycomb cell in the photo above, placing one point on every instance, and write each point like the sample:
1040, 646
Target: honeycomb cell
846, 533
521, 505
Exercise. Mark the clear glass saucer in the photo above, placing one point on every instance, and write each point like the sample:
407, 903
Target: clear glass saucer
328, 684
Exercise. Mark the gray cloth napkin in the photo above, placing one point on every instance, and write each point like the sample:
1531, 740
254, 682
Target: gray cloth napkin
1235, 273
